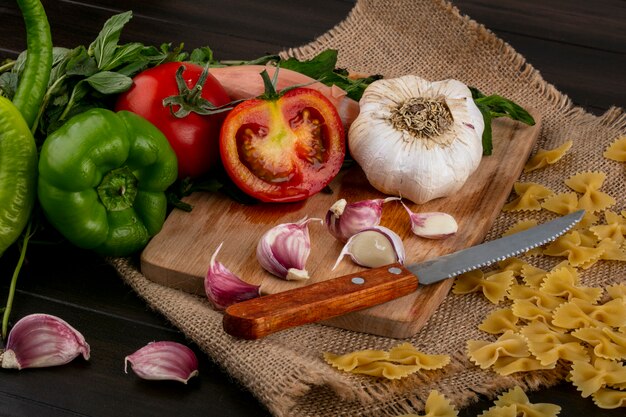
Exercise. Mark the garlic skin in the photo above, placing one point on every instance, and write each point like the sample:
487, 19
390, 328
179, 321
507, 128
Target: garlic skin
42, 340
373, 247
417, 139
432, 225
224, 288
163, 361
284, 249
344, 219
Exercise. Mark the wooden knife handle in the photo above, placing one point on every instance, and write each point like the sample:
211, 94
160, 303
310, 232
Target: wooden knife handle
258, 317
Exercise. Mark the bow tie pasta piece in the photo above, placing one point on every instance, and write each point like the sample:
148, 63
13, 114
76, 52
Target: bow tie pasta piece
545, 157
561, 282
494, 285
535, 295
578, 313
616, 150
548, 345
614, 229
529, 197
533, 276
436, 406
407, 354
507, 366
351, 360
561, 203
528, 310
570, 246
484, 353
588, 184
499, 321
606, 342
611, 250
508, 411
516, 398
609, 398
512, 264
386, 370
617, 291
589, 378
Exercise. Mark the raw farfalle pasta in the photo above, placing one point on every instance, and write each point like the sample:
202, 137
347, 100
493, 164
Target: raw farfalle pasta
614, 228
406, 354
512, 264
547, 157
562, 203
561, 282
579, 313
396, 363
499, 321
518, 400
611, 250
520, 226
589, 378
386, 370
485, 354
606, 342
436, 406
533, 276
616, 150
529, 197
588, 183
352, 360
609, 398
507, 366
528, 310
548, 345
535, 295
494, 285
570, 246
617, 291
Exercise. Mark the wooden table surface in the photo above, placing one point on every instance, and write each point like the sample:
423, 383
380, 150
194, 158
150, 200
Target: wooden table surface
578, 45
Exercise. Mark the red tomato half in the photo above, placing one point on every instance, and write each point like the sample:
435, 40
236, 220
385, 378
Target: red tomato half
195, 137
284, 149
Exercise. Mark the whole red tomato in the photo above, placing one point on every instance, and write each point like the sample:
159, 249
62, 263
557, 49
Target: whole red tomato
283, 148
194, 137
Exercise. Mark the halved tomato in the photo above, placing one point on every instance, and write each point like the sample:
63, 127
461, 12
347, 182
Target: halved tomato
284, 148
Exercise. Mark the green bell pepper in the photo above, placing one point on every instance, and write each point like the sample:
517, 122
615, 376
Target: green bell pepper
102, 180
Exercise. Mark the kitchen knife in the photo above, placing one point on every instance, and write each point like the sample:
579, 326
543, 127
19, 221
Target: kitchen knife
258, 317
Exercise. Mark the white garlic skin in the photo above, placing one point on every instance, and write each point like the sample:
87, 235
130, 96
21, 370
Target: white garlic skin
284, 249
43, 340
373, 247
397, 163
223, 288
345, 219
163, 361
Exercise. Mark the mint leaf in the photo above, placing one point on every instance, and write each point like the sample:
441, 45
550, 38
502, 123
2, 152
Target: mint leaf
107, 82
103, 48
123, 55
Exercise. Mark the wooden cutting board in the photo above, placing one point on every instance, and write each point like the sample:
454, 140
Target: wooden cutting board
179, 255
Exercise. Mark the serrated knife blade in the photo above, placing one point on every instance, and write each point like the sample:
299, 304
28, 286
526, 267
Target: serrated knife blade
258, 317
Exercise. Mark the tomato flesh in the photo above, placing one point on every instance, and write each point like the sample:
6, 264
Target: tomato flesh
283, 150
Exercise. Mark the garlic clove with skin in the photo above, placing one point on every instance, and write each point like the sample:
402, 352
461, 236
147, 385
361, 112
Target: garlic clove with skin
344, 219
373, 247
432, 225
224, 288
42, 340
163, 361
284, 249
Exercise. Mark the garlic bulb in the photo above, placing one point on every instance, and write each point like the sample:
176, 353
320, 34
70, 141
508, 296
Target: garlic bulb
417, 139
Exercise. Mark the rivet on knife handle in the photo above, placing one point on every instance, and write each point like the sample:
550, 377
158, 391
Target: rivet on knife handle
258, 317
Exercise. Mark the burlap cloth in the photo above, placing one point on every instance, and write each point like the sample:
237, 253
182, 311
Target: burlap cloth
286, 371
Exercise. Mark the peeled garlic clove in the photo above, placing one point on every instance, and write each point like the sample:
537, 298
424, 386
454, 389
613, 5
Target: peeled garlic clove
373, 247
344, 220
284, 249
432, 225
224, 288
163, 361
42, 340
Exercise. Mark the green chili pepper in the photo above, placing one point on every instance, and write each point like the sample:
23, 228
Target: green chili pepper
18, 173
34, 79
102, 180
